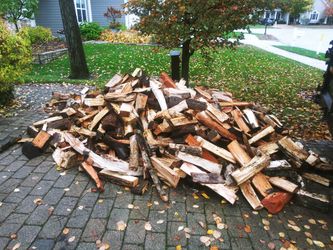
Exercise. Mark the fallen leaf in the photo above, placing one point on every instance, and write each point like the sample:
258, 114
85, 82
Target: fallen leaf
214, 248
312, 221
130, 206
187, 235
217, 234
180, 228
121, 225
195, 196
178, 247
13, 236
16, 190
38, 201
332, 238
161, 211
247, 229
205, 240
319, 243
148, 226
66, 189
265, 222
246, 216
187, 230
203, 225
80, 207
223, 202
271, 245
205, 195
295, 228
308, 234
159, 221
195, 206
104, 246
220, 226
16, 246
156, 203
322, 222
63, 173
291, 222
282, 234
100, 201
269, 215
255, 212
309, 241
324, 227
71, 239
307, 227
65, 231
210, 232
267, 228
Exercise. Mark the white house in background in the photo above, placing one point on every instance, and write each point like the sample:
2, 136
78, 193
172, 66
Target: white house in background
316, 15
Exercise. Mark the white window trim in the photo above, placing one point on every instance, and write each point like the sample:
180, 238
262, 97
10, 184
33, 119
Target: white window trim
88, 10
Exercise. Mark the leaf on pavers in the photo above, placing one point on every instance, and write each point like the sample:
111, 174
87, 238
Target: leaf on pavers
271, 245
247, 229
319, 243
63, 173
324, 227
187, 232
178, 247
265, 222
160, 222
13, 236
210, 232
180, 228
332, 238
282, 234
308, 234
161, 211
217, 219
130, 206
298, 216
16, 190
205, 240
267, 228
255, 212
149, 204
16, 246
246, 215
38, 201
205, 195
66, 189
121, 225
80, 207
50, 210
104, 246
307, 227
309, 241
195, 206
148, 226
223, 201
269, 215
214, 248
291, 222
202, 224
119, 192
156, 203
295, 228
312, 221
195, 196
322, 222
221, 226
217, 234
65, 231
1, 204
100, 201
71, 239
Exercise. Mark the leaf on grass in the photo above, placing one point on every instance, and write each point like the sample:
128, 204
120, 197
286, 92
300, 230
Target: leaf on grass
319, 243
65, 231
71, 239
121, 225
148, 226
247, 229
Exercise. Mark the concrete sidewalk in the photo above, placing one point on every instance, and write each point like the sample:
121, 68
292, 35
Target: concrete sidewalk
269, 46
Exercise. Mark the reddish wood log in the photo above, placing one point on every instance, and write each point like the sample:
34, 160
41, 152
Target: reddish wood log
167, 81
275, 202
93, 174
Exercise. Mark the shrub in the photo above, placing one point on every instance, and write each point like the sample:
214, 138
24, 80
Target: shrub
37, 35
124, 37
15, 56
90, 31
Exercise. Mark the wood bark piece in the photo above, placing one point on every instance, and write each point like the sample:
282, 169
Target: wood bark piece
239, 154
261, 134
278, 165
83, 131
167, 81
257, 164
227, 174
291, 149
164, 127
87, 117
250, 195
226, 192
134, 153
275, 202
203, 93
207, 178
182, 121
262, 185
141, 102
114, 81
158, 95
221, 152
190, 140
93, 174
193, 150
41, 140
125, 110
47, 120
219, 115
317, 178
64, 124
122, 180
236, 104
251, 118
283, 184
65, 159
203, 163
100, 115
316, 201
207, 121
237, 115
168, 174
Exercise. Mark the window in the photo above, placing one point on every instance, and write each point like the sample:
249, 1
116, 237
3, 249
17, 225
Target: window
81, 10
314, 15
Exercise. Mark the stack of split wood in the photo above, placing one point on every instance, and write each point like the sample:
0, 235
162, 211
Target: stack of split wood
142, 129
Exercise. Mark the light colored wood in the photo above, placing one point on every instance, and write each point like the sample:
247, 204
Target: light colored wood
203, 163
68, 111
115, 80
269, 148
137, 72
207, 178
119, 97
226, 192
170, 175
158, 94
123, 180
261, 134
93, 174
283, 184
237, 115
313, 159
177, 92
203, 93
47, 120
164, 127
251, 118
262, 185
89, 116
257, 164
125, 110
193, 150
221, 152
219, 115
236, 104
250, 195
182, 121
278, 165
41, 139
134, 153
100, 115
190, 140
239, 154
94, 102
141, 102
317, 178
291, 149
83, 131
65, 159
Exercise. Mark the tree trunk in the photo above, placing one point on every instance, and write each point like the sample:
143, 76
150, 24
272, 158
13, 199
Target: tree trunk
78, 64
186, 61
16, 26
266, 25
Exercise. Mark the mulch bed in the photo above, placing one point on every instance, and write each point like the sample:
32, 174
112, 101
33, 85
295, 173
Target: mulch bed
50, 46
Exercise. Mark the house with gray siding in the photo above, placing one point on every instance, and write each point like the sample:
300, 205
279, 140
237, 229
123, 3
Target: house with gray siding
48, 14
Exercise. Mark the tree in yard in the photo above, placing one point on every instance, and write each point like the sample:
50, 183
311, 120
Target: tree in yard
193, 24
78, 64
15, 10
328, 8
112, 14
296, 7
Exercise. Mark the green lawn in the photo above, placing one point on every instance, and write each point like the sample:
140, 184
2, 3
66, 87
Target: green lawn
303, 52
249, 73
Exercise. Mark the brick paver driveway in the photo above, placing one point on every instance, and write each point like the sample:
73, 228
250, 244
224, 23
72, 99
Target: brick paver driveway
38, 203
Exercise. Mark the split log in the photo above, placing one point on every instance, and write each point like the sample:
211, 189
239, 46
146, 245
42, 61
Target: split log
87, 117
229, 181
251, 118
207, 178
317, 178
64, 124
65, 159
167, 81
291, 149
83, 131
313, 159
30, 151
250, 195
141, 102
219, 115
239, 153
278, 165
47, 120
207, 121
183, 94
125, 110
121, 149
134, 153
115, 80
182, 121
94, 102
164, 127
283, 184
158, 95
236, 104
320, 202
196, 105
213, 136
190, 140
122, 180
275, 202
203, 163
41, 140
269, 148
249, 149
262, 185
193, 150
237, 115
93, 174
32, 131
119, 97
168, 174
227, 193
203, 93
257, 164
261, 134
221, 152
98, 118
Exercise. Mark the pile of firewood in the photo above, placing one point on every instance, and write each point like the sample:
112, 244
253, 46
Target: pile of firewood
142, 128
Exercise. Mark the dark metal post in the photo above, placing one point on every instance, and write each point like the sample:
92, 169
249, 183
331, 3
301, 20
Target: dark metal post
175, 65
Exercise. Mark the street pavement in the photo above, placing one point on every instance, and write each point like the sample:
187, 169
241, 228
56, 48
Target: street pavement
43, 208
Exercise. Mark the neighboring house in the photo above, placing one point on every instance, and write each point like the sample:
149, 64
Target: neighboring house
316, 15
48, 14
